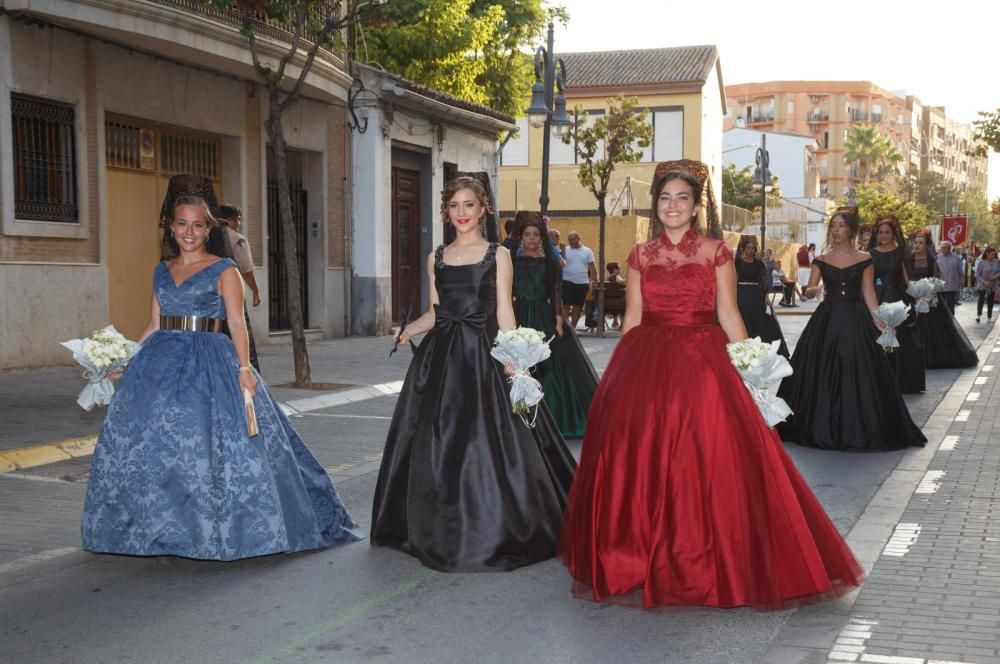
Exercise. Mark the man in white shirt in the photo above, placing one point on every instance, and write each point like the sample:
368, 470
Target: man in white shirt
952, 272
579, 277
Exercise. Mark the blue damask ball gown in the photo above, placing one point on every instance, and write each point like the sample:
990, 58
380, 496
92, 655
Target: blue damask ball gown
175, 473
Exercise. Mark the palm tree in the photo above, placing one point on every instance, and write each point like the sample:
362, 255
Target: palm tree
873, 153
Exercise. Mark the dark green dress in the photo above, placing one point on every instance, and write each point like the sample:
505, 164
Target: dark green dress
568, 378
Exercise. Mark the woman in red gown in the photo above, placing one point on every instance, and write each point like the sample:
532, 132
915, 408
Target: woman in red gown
683, 495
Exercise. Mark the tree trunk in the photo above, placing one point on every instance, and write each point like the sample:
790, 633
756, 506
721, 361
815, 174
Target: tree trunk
600, 264
276, 134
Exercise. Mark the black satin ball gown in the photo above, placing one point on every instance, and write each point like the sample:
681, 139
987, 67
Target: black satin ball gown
890, 286
751, 293
946, 345
843, 393
465, 485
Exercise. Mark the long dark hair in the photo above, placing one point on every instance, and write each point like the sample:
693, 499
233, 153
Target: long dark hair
710, 229
553, 271
850, 217
897, 233
931, 251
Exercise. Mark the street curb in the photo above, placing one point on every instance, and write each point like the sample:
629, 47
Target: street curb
46, 453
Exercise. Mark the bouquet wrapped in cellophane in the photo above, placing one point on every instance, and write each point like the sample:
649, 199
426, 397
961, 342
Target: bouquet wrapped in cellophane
892, 314
102, 353
759, 365
523, 347
924, 291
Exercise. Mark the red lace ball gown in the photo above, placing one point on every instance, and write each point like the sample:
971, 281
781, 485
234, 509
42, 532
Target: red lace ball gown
683, 495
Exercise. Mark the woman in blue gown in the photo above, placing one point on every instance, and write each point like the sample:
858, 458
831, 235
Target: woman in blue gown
175, 471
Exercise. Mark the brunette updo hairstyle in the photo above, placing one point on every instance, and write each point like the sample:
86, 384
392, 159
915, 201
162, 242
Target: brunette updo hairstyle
464, 182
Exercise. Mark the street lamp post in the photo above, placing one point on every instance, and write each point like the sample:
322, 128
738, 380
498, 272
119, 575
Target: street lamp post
548, 107
762, 182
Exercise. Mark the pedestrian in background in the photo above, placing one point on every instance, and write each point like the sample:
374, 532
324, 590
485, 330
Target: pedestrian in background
231, 219
945, 344
949, 264
843, 393
579, 278
887, 248
752, 286
987, 275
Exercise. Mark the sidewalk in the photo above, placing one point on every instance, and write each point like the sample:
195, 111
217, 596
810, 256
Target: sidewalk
934, 593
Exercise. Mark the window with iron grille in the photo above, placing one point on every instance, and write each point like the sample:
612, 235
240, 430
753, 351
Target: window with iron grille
44, 144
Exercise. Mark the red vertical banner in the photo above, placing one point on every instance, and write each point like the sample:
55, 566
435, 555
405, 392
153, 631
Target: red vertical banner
955, 229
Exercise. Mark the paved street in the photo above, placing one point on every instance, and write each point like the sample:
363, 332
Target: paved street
933, 554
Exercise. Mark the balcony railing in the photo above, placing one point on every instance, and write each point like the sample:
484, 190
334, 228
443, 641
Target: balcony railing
262, 24
761, 117
819, 116
858, 115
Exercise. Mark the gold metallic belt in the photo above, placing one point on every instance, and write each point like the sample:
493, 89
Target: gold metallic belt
191, 323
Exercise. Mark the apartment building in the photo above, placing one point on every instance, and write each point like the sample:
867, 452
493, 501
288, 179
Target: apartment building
826, 110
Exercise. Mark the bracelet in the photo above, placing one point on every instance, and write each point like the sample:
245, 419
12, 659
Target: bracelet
246, 368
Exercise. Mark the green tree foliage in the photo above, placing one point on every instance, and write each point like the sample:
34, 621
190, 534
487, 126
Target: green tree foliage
737, 189
929, 189
622, 132
478, 50
984, 226
875, 201
874, 154
987, 132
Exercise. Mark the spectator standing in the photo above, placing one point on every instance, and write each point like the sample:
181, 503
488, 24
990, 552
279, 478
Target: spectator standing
803, 260
579, 277
952, 272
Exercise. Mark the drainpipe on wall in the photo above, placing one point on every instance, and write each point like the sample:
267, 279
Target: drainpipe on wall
348, 230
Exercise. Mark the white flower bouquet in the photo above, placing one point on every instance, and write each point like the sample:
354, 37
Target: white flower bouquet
892, 314
523, 347
759, 365
924, 291
100, 354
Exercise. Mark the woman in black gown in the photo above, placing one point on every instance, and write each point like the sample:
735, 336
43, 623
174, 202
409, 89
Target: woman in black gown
568, 378
945, 344
888, 251
843, 393
752, 287
465, 485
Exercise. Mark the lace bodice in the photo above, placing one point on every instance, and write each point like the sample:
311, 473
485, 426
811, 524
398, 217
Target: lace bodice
198, 295
679, 278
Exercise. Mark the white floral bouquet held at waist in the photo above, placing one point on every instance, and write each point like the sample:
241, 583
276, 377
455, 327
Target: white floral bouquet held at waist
892, 314
101, 354
522, 348
924, 291
759, 365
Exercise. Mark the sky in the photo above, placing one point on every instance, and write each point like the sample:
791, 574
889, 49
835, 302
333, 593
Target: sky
946, 54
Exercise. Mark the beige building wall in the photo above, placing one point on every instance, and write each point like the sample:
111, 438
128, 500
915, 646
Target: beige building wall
520, 186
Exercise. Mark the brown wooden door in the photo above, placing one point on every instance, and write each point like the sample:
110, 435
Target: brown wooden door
140, 159
406, 262
133, 247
